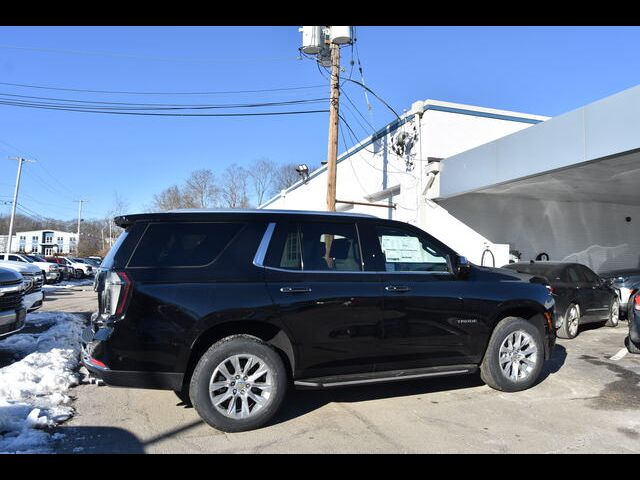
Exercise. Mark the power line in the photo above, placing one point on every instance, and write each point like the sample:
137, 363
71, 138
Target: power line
124, 92
151, 106
161, 114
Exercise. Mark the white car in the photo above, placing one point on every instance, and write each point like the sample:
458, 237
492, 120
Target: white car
33, 280
51, 270
81, 268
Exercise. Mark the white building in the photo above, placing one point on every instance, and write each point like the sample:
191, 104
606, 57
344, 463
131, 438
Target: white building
567, 187
43, 242
396, 167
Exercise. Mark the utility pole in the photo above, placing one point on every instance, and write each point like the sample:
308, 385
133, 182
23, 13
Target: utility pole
334, 104
325, 42
80, 202
15, 198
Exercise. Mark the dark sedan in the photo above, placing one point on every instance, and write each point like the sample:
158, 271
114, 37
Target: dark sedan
581, 295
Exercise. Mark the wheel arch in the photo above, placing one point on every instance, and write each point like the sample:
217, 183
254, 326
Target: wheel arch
267, 332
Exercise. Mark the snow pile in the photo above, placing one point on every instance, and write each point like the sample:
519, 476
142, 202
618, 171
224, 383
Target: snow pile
32, 390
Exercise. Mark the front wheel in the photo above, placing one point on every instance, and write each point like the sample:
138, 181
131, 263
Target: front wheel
570, 322
238, 384
614, 312
514, 357
79, 273
631, 347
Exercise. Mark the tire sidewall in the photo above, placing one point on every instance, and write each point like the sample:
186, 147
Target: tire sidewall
225, 348
491, 364
563, 331
614, 302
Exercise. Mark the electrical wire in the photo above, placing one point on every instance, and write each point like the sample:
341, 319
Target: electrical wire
124, 92
374, 94
151, 106
160, 114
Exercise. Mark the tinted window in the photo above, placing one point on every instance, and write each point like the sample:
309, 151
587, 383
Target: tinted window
175, 244
588, 274
330, 246
572, 275
285, 251
405, 251
316, 246
548, 271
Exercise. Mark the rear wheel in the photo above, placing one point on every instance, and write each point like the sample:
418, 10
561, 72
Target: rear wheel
238, 384
570, 322
614, 312
79, 273
514, 357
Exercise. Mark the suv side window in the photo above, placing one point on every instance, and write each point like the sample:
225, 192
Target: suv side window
571, 275
15, 258
404, 251
322, 246
182, 244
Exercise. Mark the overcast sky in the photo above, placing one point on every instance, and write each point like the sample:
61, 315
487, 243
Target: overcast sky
540, 70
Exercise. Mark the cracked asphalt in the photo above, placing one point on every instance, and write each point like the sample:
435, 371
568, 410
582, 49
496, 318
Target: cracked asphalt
585, 403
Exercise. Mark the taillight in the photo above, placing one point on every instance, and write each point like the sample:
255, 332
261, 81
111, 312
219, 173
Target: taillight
117, 287
636, 302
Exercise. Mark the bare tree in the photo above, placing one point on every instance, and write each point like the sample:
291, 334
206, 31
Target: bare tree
171, 198
201, 189
262, 172
284, 176
234, 187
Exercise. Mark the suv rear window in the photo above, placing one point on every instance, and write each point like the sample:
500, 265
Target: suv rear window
175, 244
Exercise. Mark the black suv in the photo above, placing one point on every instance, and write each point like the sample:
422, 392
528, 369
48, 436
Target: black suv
228, 308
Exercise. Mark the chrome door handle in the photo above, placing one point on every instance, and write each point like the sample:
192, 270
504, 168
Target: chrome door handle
295, 289
396, 288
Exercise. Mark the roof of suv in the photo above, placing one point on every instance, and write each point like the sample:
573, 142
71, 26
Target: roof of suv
176, 215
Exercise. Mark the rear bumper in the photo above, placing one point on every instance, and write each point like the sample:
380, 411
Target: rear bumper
12, 321
91, 345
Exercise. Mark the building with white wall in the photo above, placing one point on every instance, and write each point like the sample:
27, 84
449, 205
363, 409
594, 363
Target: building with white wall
389, 174
484, 180
43, 242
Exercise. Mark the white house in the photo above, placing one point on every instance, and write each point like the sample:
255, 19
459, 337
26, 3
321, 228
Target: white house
44, 242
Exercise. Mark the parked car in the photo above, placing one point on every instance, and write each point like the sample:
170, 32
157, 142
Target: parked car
81, 266
50, 270
633, 316
78, 269
228, 307
627, 282
93, 262
12, 311
33, 279
581, 295
66, 268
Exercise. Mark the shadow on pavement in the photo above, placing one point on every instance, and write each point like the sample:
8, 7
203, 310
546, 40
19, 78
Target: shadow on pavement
301, 402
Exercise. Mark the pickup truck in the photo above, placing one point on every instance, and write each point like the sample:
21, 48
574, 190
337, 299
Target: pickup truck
12, 311
50, 270
33, 280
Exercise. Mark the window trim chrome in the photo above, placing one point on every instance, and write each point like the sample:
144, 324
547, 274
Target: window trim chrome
261, 253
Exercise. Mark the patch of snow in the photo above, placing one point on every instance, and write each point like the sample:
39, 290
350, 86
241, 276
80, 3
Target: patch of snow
33, 390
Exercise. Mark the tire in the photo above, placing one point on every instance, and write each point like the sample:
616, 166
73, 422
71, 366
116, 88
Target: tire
632, 347
521, 333
614, 313
209, 368
79, 274
570, 322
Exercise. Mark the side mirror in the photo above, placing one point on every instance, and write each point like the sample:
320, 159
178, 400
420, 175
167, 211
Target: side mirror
463, 268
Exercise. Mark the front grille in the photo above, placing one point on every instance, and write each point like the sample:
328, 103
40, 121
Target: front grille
10, 301
36, 284
9, 283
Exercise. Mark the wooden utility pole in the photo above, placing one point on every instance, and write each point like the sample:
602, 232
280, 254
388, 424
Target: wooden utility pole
15, 199
80, 202
332, 155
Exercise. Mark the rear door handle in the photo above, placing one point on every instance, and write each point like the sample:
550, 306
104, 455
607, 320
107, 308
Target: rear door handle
396, 288
295, 289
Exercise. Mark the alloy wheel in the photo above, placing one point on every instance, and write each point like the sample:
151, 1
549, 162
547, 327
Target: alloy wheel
241, 385
518, 356
573, 321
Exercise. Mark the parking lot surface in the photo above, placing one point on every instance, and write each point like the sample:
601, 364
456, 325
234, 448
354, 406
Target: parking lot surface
585, 402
